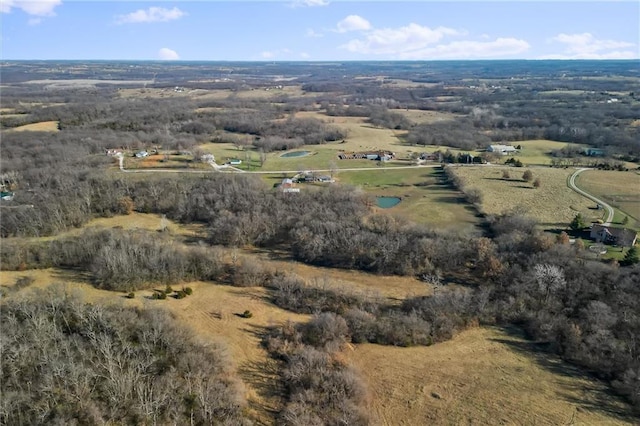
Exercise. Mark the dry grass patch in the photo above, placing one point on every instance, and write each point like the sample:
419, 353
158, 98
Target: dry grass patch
213, 312
43, 126
483, 376
425, 117
620, 189
552, 204
393, 288
148, 221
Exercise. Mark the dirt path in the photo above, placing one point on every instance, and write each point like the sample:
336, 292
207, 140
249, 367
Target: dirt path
572, 184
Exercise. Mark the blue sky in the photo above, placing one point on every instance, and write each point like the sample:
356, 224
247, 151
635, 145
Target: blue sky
319, 30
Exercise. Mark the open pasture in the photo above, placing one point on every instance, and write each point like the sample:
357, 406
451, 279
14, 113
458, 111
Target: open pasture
482, 376
426, 198
553, 204
537, 152
43, 126
620, 189
419, 116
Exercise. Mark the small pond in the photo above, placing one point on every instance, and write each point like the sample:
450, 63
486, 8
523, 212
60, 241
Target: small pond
387, 202
295, 154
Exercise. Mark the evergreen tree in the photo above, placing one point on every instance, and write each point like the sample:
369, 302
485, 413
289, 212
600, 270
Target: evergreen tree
632, 257
577, 223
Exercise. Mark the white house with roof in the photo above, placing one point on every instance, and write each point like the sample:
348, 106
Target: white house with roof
502, 149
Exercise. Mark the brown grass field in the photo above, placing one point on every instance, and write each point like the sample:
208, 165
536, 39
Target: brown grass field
44, 126
553, 204
620, 189
484, 376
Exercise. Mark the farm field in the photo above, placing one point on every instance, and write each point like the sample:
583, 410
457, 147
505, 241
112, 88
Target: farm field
482, 376
44, 126
620, 189
537, 152
204, 94
360, 137
553, 204
425, 197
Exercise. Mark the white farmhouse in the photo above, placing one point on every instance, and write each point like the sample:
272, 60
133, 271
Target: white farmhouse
502, 149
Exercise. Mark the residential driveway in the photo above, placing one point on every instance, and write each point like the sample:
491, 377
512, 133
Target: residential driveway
608, 208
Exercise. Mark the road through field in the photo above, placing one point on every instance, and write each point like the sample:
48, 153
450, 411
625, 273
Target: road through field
234, 169
572, 185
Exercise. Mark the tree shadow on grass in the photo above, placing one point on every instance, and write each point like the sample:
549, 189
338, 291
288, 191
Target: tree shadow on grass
599, 395
74, 275
263, 376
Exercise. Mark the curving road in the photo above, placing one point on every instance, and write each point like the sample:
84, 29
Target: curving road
572, 184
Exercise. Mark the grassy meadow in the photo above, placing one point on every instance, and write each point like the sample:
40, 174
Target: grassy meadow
43, 126
482, 376
553, 204
426, 198
620, 189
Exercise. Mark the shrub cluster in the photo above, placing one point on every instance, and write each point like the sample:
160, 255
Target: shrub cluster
321, 388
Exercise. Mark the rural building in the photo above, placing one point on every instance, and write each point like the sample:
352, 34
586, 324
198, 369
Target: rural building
142, 154
367, 155
593, 152
430, 156
622, 237
6, 196
235, 162
113, 151
208, 158
502, 149
287, 183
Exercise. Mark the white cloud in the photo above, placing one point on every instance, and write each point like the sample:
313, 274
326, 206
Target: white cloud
31, 7
312, 34
278, 53
470, 49
309, 3
586, 46
167, 54
397, 41
152, 14
353, 23
34, 21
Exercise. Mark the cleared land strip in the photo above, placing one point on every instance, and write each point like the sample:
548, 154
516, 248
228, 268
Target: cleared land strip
572, 185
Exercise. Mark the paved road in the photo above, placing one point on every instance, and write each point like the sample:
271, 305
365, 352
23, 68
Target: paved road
608, 208
221, 169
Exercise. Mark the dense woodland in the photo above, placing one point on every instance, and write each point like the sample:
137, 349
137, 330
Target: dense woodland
506, 273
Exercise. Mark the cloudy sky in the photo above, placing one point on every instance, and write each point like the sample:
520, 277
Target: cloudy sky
319, 30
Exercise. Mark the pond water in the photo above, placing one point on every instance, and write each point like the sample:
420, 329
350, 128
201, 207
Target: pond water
387, 202
295, 154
